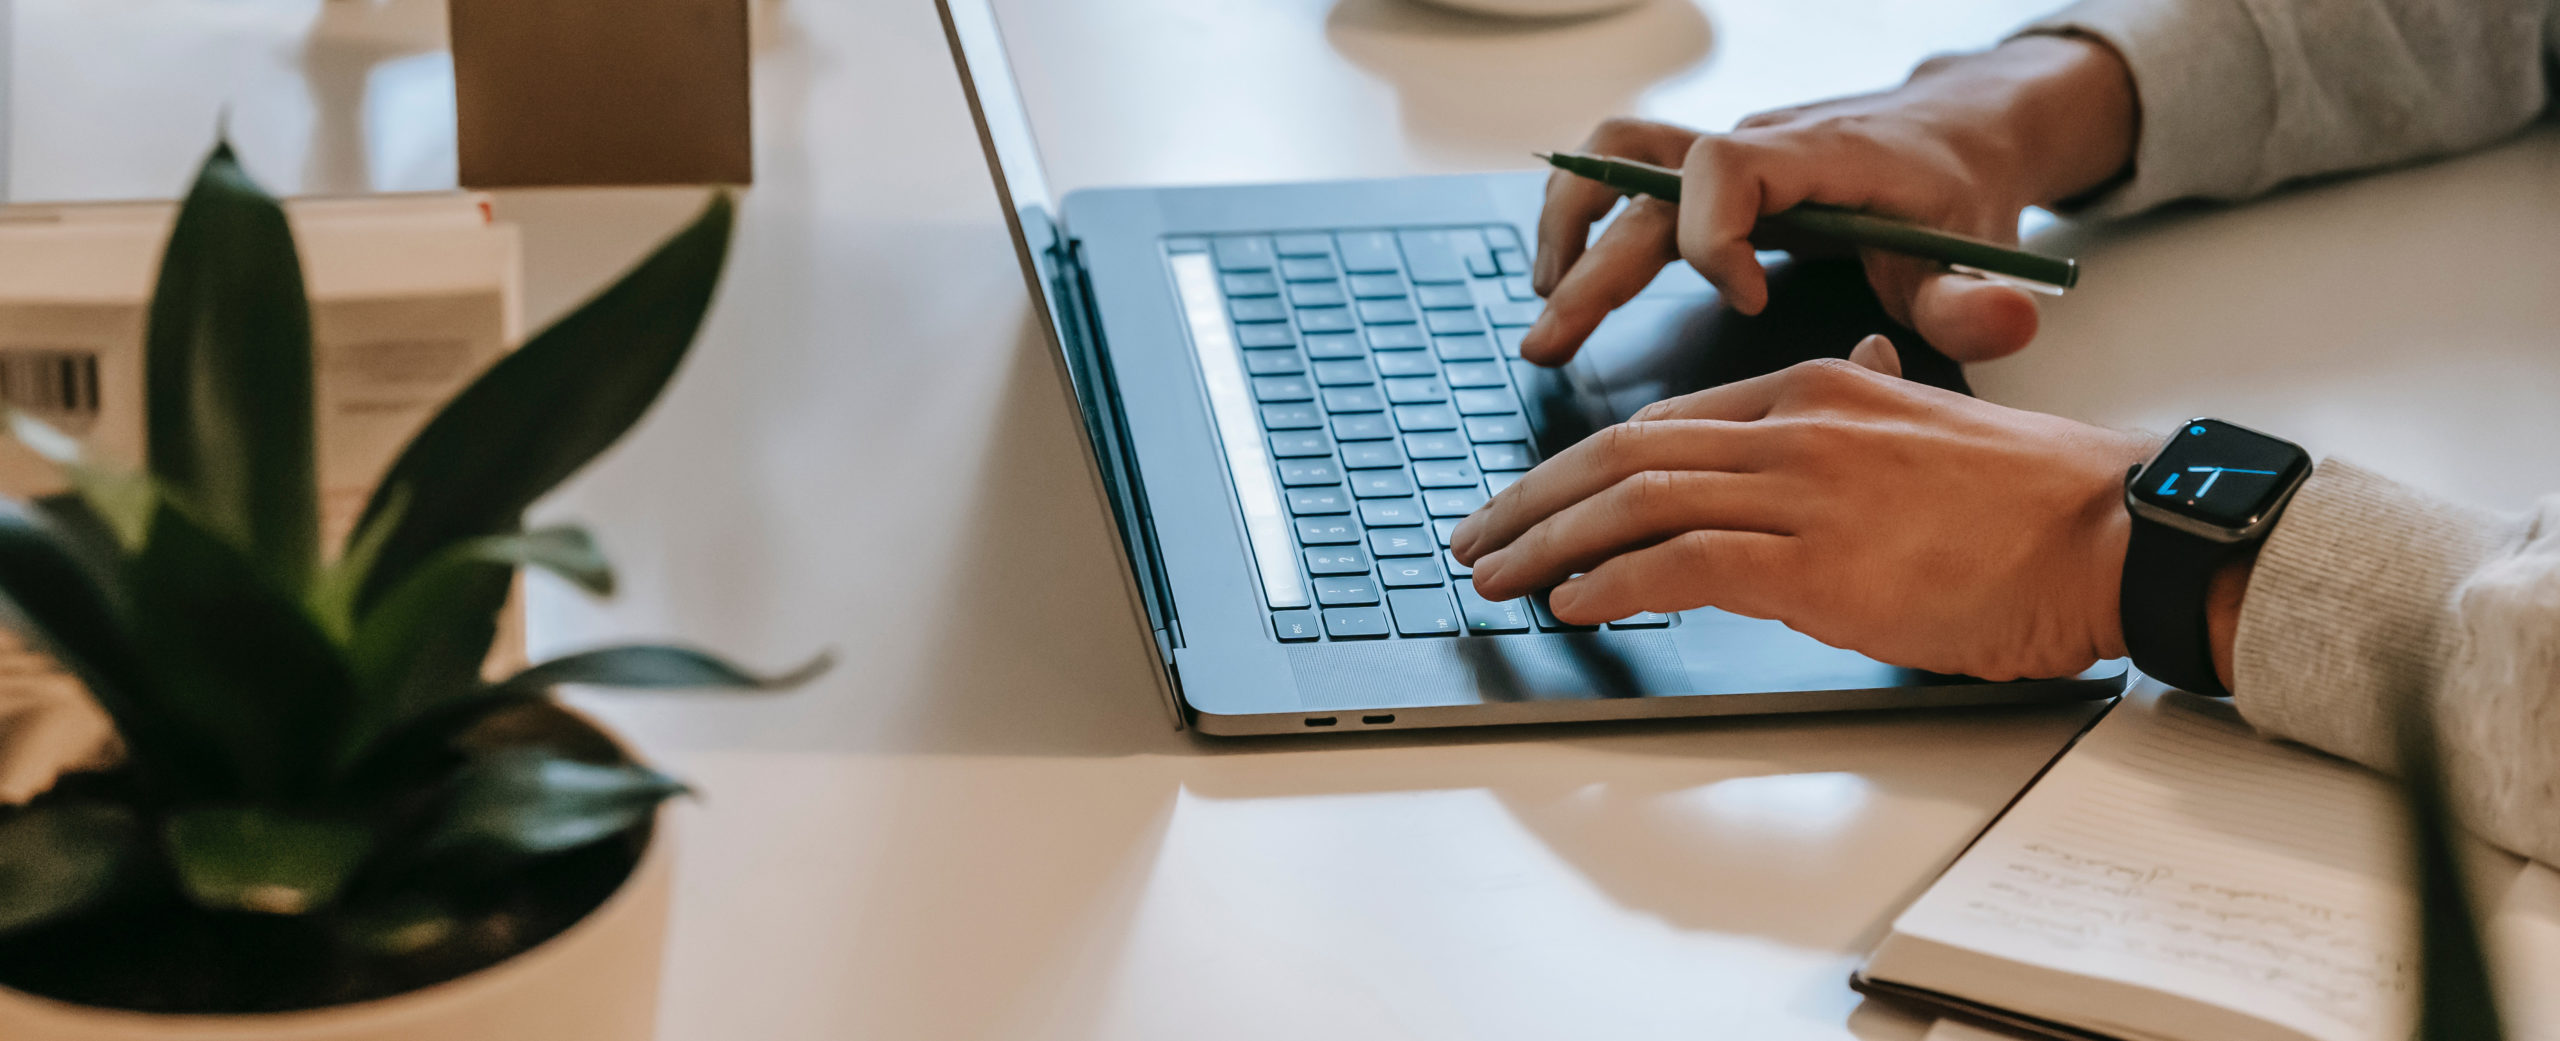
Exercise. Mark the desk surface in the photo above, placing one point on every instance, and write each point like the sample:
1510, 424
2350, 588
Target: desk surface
980, 826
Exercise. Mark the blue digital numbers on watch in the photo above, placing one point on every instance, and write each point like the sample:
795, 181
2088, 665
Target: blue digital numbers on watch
2223, 475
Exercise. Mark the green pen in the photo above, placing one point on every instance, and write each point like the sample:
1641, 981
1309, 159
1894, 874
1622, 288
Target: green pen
1969, 255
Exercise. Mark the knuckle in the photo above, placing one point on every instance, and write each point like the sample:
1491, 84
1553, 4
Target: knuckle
1618, 128
1772, 118
1616, 444
1695, 549
1828, 379
1717, 153
1650, 493
1935, 63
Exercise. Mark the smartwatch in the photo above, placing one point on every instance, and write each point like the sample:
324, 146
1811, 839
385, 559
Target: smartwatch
2211, 494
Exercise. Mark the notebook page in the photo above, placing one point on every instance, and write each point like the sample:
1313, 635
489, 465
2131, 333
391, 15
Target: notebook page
2175, 851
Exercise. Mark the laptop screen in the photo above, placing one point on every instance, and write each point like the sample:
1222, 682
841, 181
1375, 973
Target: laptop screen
1004, 129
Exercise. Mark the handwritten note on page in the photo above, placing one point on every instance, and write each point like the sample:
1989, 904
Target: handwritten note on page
2176, 876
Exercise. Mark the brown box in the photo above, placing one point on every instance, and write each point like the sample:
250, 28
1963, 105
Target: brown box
601, 92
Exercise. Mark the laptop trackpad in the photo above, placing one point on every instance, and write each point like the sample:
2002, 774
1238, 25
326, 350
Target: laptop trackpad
1676, 338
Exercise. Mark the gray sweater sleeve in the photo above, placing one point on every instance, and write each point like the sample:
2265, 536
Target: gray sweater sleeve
2239, 96
2369, 591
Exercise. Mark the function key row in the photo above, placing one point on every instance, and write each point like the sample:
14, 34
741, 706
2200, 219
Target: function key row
1427, 612
1429, 255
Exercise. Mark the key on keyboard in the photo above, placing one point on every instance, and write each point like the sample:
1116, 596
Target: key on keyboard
1375, 362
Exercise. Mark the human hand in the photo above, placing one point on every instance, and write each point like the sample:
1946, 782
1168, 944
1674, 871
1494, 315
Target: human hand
1963, 146
1920, 527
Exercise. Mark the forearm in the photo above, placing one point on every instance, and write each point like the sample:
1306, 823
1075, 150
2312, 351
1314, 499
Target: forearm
2239, 96
2369, 593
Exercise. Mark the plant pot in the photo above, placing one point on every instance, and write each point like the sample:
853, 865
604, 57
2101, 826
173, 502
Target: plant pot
596, 982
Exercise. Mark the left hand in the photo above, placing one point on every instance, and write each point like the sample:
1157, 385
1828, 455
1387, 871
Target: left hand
1920, 527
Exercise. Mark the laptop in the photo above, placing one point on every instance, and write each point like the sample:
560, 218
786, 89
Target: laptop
1292, 392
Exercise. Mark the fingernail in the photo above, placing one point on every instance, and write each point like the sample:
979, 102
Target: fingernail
1563, 597
1462, 540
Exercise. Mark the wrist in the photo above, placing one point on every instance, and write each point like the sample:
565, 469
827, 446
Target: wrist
2062, 116
2108, 532
2222, 613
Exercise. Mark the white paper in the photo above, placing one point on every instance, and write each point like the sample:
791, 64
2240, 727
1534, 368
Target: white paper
2175, 851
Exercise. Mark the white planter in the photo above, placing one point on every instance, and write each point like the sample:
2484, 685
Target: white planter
596, 982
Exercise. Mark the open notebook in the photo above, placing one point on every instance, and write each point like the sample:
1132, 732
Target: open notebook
2174, 877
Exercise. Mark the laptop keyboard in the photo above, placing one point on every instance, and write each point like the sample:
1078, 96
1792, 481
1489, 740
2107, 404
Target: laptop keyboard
1372, 370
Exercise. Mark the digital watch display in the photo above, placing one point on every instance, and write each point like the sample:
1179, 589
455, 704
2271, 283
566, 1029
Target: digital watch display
2212, 492
2221, 479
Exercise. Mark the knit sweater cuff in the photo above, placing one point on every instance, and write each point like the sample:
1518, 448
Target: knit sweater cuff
2350, 608
2206, 89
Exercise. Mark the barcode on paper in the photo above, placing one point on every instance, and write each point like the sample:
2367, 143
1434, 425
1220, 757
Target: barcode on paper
59, 384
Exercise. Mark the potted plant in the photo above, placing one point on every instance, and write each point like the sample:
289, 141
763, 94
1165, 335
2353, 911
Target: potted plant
325, 822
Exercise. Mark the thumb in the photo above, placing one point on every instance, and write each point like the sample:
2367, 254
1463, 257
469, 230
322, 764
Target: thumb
1876, 352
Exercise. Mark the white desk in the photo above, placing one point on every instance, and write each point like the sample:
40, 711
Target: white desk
980, 825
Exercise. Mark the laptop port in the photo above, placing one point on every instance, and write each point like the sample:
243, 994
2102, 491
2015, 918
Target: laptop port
1319, 721
1379, 720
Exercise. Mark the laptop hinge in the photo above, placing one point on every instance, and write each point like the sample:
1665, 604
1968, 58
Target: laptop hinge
1107, 428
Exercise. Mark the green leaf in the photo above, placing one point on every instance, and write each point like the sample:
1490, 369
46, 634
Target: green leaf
566, 551
235, 659
62, 603
47, 576
423, 645
2456, 1000
528, 802
255, 859
333, 592
545, 410
122, 499
227, 374
648, 666
60, 857
425, 642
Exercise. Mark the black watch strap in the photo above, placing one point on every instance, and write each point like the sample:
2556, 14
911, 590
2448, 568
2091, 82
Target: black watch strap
2168, 574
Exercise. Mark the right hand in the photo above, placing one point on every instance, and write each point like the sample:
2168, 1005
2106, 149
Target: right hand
1963, 146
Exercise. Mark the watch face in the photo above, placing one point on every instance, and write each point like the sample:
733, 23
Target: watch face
2221, 474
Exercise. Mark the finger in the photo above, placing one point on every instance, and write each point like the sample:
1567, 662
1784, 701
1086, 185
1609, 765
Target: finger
1876, 352
1635, 248
1596, 462
1966, 317
1897, 278
1973, 319
1740, 401
1725, 185
1574, 203
1636, 512
1745, 572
